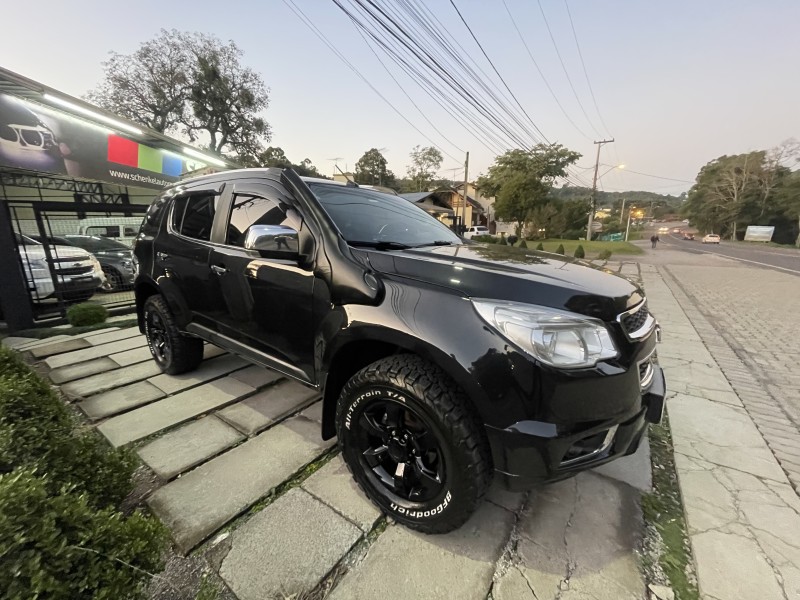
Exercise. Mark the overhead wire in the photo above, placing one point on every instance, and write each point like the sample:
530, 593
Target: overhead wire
564, 68
541, 73
304, 18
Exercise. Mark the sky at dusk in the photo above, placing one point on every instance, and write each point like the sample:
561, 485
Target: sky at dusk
677, 83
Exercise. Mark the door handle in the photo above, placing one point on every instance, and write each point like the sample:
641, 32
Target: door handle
162, 256
218, 270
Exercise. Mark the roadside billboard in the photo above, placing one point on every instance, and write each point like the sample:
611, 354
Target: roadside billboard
757, 233
39, 138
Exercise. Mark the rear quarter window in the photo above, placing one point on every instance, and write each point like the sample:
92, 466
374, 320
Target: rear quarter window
152, 219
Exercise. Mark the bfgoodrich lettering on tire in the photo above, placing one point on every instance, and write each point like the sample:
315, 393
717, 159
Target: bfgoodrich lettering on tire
174, 352
413, 443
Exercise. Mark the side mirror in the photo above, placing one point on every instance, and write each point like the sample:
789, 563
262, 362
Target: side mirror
273, 241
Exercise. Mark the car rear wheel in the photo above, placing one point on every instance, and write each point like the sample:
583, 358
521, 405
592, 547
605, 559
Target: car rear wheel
413, 443
174, 352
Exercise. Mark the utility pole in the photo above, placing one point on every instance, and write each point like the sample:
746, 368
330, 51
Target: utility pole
594, 188
466, 183
622, 212
628, 227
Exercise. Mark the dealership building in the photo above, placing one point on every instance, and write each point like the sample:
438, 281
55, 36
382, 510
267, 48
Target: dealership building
75, 181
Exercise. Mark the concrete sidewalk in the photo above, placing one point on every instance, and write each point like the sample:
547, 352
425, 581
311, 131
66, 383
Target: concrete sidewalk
742, 512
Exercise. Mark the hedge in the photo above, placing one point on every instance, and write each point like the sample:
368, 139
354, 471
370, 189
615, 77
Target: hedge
580, 252
61, 535
560, 249
61, 547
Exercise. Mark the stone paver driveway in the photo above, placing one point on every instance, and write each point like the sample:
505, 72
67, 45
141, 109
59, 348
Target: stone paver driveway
230, 445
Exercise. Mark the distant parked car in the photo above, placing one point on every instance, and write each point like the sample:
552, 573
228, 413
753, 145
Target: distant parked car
476, 230
116, 259
663, 230
676, 230
688, 236
686, 221
711, 238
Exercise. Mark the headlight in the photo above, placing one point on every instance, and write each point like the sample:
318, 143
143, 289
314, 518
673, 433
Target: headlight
557, 338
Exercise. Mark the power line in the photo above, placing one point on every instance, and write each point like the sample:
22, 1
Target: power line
627, 170
541, 73
583, 64
544, 137
303, 17
564, 68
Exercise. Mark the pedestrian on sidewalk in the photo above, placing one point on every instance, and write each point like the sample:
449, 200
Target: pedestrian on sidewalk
654, 240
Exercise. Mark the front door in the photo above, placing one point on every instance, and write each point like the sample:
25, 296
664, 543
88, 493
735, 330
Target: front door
268, 302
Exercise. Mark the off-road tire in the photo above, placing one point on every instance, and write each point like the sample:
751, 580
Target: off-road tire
179, 353
431, 393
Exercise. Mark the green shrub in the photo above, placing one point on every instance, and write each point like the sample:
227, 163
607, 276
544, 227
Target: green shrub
560, 249
579, 252
503, 241
540, 247
487, 239
523, 244
604, 254
44, 437
61, 547
87, 313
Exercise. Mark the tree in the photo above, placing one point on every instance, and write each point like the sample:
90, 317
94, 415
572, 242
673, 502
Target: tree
150, 86
425, 162
521, 180
193, 83
371, 169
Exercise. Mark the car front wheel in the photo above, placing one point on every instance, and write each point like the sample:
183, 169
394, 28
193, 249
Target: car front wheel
413, 443
174, 352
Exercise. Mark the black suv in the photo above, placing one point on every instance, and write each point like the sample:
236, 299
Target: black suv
442, 362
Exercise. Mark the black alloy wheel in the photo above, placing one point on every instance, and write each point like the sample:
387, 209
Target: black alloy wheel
401, 450
173, 351
414, 443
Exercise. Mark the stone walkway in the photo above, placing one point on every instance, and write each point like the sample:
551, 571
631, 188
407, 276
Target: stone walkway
231, 447
742, 512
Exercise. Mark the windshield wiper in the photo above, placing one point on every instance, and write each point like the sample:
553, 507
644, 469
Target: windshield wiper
382, 245
436, 243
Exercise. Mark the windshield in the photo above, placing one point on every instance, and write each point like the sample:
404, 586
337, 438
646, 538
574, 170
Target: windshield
93, 243
24, 240
370, 218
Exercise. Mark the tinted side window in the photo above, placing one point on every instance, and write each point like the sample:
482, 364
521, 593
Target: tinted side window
248, 210
193, 216
152, 219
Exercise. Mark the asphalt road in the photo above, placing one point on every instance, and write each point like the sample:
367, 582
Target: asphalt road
786, 260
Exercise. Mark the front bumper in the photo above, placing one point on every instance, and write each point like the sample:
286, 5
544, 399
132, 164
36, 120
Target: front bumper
534, 452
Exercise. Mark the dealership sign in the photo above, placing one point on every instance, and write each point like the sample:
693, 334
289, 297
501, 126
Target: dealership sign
40, 138
757, 233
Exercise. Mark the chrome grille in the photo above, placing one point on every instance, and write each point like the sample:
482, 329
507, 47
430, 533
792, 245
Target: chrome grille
637, 322
74, 270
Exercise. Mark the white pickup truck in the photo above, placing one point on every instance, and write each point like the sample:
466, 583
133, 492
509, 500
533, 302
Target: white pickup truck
76, 272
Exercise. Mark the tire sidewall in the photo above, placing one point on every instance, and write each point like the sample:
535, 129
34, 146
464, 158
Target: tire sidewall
151, 306
351, 405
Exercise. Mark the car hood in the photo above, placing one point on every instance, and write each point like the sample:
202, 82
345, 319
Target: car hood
121, 254
514, 274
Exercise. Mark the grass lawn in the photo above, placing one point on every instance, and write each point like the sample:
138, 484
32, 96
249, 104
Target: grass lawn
592, 248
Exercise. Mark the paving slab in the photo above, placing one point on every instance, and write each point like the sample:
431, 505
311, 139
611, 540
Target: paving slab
60, 347
334, 485
94, 384
314, 412
257, 376
34, 342
261, 410
188, 446
287, 548
81, 370
208, 370
131, 357
120, 400
15, 342
203, 500
635, 470
579, 536
71, 358
173, 410
403, 564
113, 336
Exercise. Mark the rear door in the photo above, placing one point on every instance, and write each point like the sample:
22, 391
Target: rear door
182, 254
267, 302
